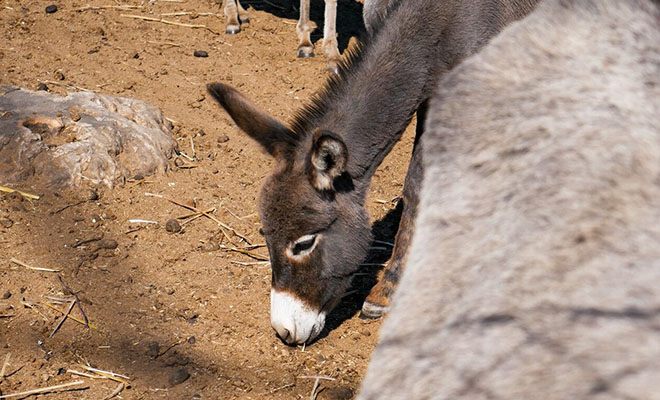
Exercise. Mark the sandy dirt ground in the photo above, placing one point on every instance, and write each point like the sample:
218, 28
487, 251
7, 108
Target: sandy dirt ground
178, 313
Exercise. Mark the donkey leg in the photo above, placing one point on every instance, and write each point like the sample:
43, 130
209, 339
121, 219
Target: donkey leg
304, 29
231, 14
242, 14
378, 301
330, 36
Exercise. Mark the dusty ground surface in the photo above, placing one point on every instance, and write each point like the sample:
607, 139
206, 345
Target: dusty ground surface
168, 305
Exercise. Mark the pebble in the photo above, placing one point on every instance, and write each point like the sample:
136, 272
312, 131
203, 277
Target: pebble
200, 53
110, 244
42, 87
51, 9
92, 195
223, 139
6, 295
192, 340
153, 350
6, 223
178, 376
197, 396
173, 226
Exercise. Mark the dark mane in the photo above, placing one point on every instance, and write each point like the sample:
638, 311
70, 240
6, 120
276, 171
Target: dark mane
305, 119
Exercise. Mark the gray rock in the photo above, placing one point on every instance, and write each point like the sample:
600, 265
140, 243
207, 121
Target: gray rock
67, 140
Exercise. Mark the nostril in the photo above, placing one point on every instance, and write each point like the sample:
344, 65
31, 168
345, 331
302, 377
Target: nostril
285, 336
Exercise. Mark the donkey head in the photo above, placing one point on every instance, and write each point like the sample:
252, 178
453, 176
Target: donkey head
315, 225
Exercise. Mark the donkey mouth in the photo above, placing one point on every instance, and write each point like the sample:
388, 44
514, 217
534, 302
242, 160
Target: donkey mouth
293, 320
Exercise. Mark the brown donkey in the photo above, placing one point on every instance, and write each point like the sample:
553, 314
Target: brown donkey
312, 205
534, 272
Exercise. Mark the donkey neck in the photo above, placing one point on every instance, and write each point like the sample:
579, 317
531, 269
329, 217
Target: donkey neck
380, 86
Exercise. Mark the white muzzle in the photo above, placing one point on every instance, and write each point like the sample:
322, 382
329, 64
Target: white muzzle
295, 322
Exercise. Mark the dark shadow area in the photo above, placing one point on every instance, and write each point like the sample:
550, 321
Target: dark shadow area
383, 230
349, 16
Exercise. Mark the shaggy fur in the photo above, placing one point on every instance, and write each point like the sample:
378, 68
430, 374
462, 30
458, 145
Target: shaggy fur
534, 271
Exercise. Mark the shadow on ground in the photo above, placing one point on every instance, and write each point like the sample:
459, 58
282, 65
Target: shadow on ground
349, 16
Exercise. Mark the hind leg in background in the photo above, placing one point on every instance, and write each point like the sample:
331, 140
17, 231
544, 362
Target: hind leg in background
330, 46
242, 14
231, 15
304, 29
378, 301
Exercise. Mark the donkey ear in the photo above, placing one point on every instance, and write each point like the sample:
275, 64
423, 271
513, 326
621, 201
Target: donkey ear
327, 159
269, 132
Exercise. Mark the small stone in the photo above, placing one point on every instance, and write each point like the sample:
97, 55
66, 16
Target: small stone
197, 396
223, 139
192, 320
61, 371
209, 247
110, 244
180, 375
92, 195
6, 295
6, 223
192, 340
200, 53
172, 226
51, 9
153, 350
42, 87
138, 177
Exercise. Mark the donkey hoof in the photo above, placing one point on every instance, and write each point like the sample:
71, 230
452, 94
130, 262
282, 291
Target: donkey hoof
305, 52
232, 29
372, 311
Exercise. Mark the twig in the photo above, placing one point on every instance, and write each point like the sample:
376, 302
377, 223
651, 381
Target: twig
192, 147
209, 216
86, 375
78, 320
43, 390
120, 7
33, 308
74, 294
24, 194
327, 378
282, 387
118, 390
4, 366
248, 253
164, 43
250, 263
68, 311
68, 206
66, 85
108, 374
94, 239
196, 214
22, 264
164, 21
142, 221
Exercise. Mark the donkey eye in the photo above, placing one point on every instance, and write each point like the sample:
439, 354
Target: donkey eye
304, 245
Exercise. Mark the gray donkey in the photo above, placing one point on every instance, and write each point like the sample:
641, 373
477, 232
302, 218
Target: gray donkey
374, 10
534, 272
312, 205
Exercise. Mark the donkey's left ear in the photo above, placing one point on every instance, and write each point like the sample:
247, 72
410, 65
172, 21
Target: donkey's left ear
327, 159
